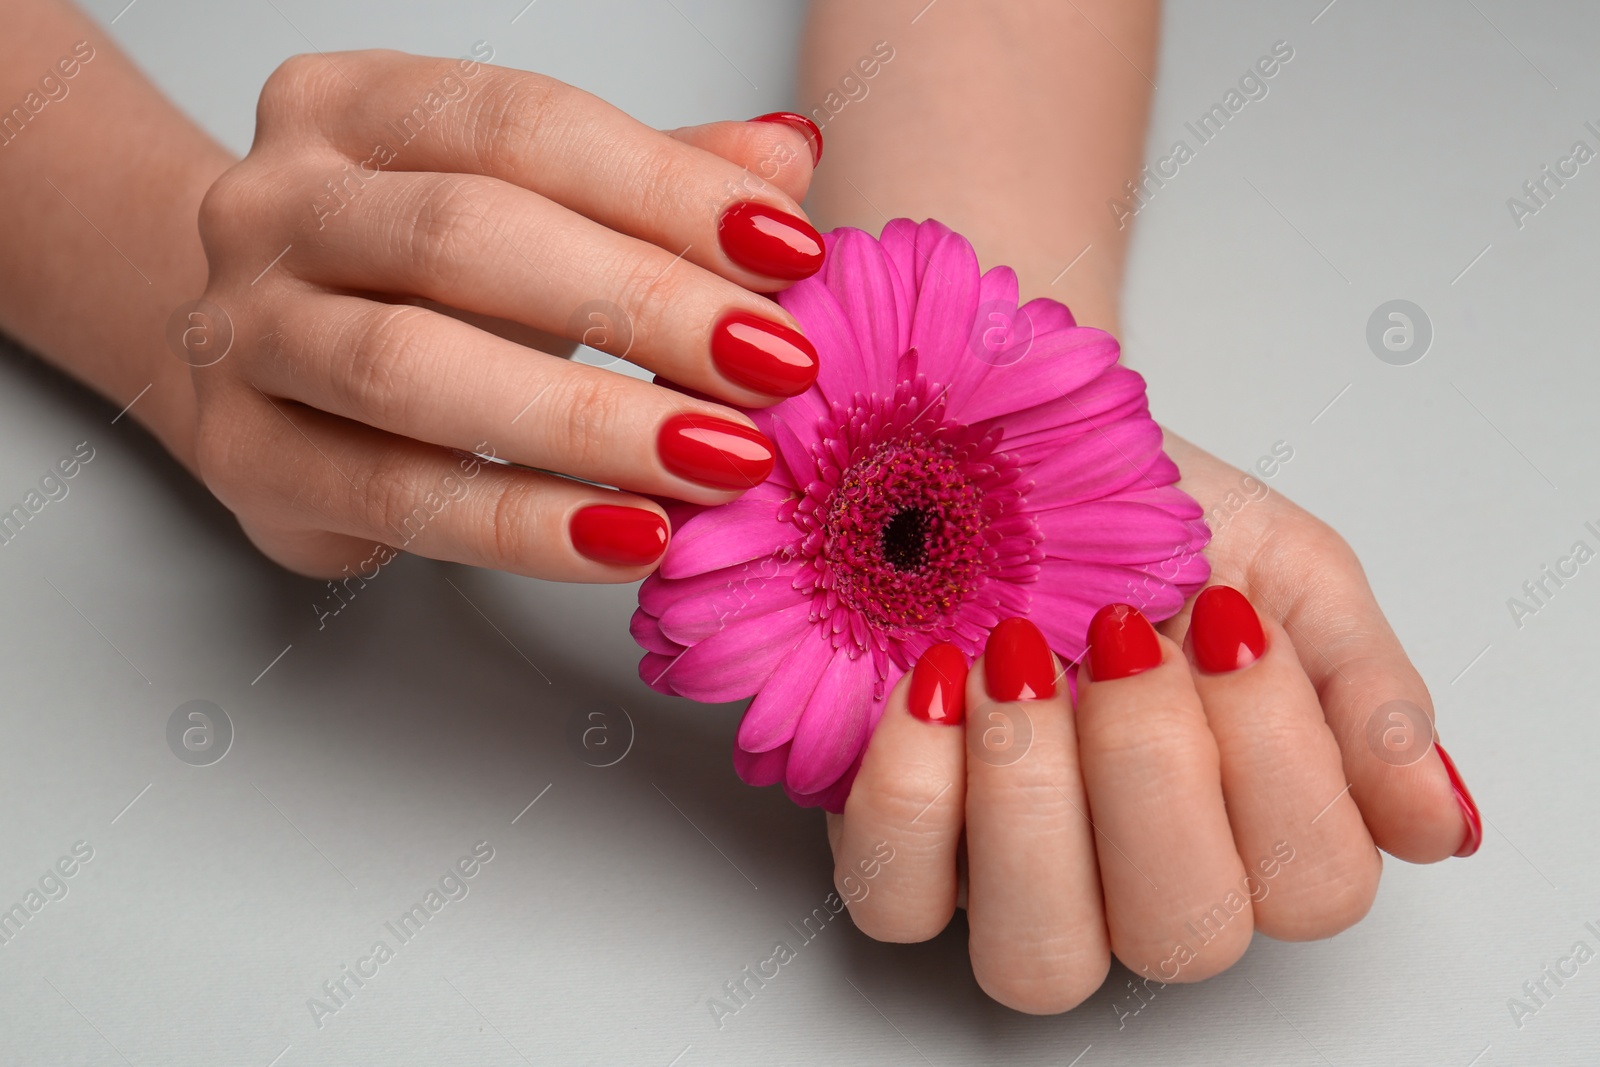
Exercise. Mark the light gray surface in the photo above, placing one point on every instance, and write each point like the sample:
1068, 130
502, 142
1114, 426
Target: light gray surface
431, 711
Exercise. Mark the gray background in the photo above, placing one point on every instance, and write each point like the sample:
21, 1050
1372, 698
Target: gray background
428, 714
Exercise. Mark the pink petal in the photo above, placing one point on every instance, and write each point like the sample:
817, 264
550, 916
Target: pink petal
946, 301
646, 631
834, 725
770, 719
994, 316
737, 660
830, 798
1057, 362
862, 281
841, 371
1033, 433
1068, 593
793, 440
761, 768
657, 594
1098, 464
653, 668
1109, 531
751, 591
725, 536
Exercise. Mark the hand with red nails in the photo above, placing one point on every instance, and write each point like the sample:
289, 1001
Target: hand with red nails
1227, 771
393, 310
1195, 789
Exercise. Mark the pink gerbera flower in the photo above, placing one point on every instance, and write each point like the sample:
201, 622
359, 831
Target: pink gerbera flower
958, 461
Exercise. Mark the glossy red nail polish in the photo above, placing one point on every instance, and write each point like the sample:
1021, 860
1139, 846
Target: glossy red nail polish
1017, 664
715, 452
768, 241
625, 537
1469, 807
763, 355
1226, 630
939, 686
809, 129
1121, 643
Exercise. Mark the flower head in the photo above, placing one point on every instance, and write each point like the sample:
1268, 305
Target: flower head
959, 461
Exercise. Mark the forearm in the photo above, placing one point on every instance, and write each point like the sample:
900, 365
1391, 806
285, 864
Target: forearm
100, 181
1014, 124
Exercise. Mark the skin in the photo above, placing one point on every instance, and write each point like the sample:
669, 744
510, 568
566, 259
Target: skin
408, 324
1189, 779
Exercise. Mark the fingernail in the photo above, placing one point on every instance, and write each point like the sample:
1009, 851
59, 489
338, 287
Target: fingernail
1017, 664
939, 685
1227, 631
1469, 807
715, 452
622, 536
1121, 643
768, 241
763, 355
812, 133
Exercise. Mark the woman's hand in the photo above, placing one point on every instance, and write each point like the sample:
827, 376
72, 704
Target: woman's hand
1194, 792
404, 237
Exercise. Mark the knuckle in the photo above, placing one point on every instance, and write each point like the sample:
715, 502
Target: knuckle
1169, 739
228, 199
915, 797
297, 82
666, 175
650, 290
516, 531
590, 419
450, 230
388, 500
374, 378
512, 118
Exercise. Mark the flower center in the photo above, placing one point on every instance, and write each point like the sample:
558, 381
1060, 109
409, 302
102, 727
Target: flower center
909, 520
905, 539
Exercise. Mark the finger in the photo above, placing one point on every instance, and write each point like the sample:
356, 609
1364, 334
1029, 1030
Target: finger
895, 862
342, 499
490, 248
1300, 572
1038, 937
1311, 868
1177, 905
1378, 707
561, 142
782, 148
432, 378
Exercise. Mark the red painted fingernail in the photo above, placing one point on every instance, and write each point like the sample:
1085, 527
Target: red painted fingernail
763, 355
1121, 643
1227, 631
1469, 807
939, 685
810, 130
715, 452
626, 537
1017, 663
771, 242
